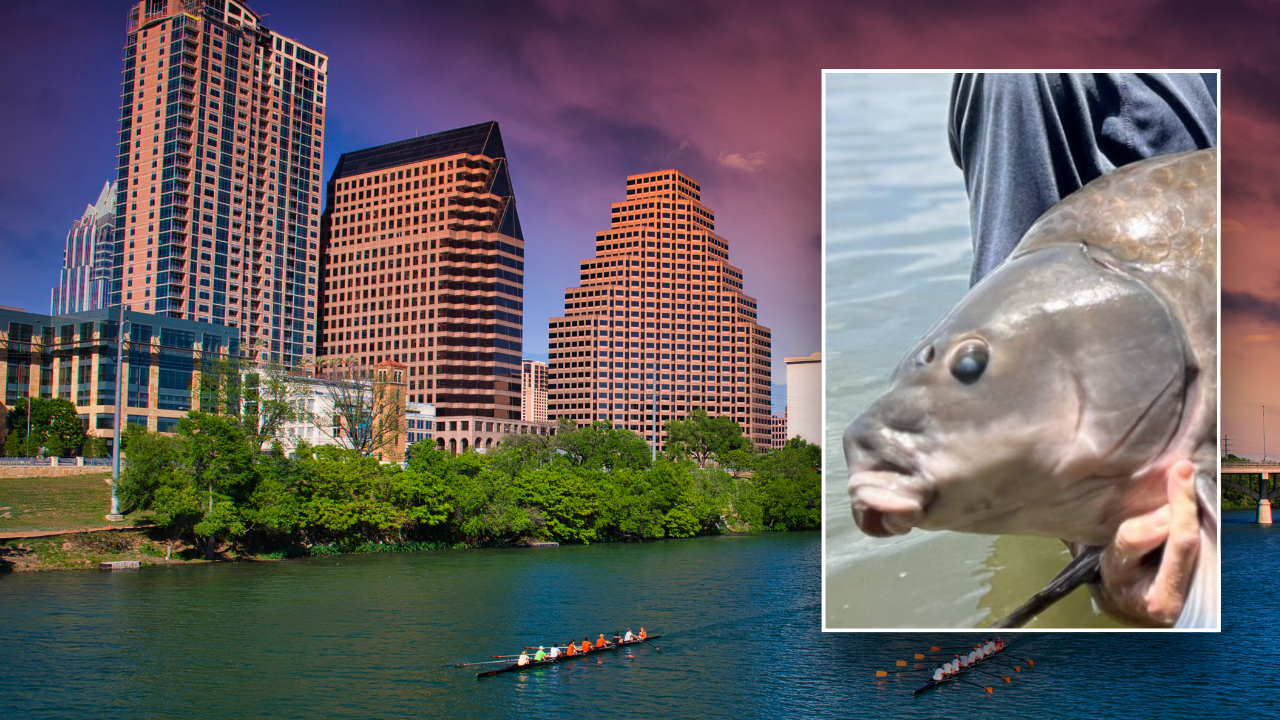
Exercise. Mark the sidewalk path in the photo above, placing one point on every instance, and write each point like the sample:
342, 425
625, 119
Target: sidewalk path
53, 533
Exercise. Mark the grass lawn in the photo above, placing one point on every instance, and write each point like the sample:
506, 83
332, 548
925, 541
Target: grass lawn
55, 503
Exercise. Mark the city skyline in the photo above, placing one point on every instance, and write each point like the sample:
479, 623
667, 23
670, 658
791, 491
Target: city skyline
564, 148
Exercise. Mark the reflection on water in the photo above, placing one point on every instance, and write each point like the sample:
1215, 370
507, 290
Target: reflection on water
897, 258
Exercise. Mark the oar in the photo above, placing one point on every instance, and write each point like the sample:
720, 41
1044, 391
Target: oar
886, 673
1016, 668
487, 662
984, 672
966, 682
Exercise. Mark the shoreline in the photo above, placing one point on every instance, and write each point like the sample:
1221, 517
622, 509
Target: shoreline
84, 550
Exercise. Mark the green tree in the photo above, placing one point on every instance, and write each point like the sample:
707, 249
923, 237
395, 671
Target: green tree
216, 458
600, 446
702, 437
789, 488
55, 428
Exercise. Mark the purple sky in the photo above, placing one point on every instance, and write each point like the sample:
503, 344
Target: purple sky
588, 92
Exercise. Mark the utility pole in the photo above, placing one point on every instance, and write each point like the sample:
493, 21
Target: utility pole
1226, 446
654, 398
121, 329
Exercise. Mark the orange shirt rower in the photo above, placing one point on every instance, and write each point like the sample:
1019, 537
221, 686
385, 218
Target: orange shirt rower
643, 634
586, 644
601, 643
573, 649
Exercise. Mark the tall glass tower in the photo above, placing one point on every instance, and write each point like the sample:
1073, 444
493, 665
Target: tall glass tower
217, 209
86, 261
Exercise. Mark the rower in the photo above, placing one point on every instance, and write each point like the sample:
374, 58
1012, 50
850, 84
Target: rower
586, 644
937, 675
628, 637
617, 639
540, 655
643, 634
601, 644
524, 658
554, 652
572, 649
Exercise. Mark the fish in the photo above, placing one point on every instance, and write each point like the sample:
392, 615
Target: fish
1053, 398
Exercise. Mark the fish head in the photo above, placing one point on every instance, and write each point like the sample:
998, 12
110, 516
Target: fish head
1033, 407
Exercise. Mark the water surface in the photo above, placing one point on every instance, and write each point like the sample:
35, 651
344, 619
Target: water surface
898, 255
377, 636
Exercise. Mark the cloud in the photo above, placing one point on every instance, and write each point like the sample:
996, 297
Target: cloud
750, 162
1230, 225
1246, 304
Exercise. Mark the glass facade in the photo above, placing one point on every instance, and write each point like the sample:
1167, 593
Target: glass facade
217, 212
161, 361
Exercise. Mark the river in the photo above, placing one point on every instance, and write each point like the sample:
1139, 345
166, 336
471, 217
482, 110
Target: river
379, 635
898, 254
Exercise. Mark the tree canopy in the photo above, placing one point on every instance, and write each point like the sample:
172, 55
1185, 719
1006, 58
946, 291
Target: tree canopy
584, 485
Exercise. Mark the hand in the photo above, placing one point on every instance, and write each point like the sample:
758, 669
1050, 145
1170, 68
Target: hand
1145, 589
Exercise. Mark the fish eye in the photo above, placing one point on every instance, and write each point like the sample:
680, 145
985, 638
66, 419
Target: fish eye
970, 362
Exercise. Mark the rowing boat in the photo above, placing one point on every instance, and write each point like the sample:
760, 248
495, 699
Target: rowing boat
516, 667
935, 683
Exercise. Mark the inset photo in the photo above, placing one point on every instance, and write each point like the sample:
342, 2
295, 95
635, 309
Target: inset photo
1021, 333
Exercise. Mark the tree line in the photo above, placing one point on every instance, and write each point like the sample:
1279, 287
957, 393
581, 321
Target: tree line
209, 484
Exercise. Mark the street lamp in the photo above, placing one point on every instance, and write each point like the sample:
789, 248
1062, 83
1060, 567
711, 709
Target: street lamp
122, 330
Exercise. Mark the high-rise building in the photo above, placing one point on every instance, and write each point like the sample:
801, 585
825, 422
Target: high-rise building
779, 429
423, 264
533, 390
660, 311
804, 397
86, 261
217, 208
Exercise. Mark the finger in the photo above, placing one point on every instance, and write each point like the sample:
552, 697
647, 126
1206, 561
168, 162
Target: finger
1135, 539
1169, 590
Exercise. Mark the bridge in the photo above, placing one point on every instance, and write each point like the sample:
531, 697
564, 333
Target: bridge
1267, 489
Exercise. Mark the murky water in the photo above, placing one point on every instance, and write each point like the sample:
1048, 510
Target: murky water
898, 256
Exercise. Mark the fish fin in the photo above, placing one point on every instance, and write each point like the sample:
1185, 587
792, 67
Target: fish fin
1084, 568
1203, 605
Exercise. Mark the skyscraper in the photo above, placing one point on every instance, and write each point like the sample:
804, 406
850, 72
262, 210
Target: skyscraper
218, 202
660, 310
86, 261
423, 264
533, 390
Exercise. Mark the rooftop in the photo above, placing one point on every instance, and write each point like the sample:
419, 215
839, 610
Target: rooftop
483, 139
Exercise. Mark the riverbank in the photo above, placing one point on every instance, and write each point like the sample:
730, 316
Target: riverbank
85, 550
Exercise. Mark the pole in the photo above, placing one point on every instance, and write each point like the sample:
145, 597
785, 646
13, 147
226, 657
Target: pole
654, 396
115, 515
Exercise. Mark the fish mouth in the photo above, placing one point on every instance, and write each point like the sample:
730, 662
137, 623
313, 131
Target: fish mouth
887, 500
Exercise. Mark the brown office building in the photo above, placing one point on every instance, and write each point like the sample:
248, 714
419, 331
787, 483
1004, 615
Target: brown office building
217, 205
533, 391
660, 298
423, 264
